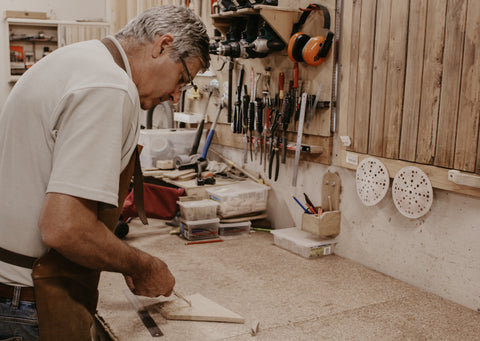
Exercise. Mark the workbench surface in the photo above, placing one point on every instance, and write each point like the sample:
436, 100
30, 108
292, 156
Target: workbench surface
291, 297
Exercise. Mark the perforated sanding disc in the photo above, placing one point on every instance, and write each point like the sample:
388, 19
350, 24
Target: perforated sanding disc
412, 192
372, 181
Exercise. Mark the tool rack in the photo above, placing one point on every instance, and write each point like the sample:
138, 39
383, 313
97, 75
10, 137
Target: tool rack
317, 141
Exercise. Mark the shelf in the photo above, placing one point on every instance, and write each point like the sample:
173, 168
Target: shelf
281, 20
29, 39
34, 40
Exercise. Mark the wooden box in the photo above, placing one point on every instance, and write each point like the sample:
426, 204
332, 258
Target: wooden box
327, 225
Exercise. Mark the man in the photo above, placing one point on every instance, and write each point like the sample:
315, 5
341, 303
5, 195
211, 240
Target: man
67, 131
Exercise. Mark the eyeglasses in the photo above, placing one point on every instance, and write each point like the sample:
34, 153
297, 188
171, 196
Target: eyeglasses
190, 80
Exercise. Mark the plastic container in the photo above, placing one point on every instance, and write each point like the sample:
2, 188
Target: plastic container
234, 229
200, 229
240, 198
198, 209
303, 243
165, 144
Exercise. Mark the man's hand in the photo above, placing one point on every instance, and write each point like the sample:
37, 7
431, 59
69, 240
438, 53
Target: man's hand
152, 280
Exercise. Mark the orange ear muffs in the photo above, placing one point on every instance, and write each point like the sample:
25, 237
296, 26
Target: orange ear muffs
303, 48
316, 49
295, 46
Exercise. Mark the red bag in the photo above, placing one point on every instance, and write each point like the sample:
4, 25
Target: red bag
160, 202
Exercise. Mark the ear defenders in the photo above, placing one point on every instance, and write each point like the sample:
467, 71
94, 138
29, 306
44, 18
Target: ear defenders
311, 50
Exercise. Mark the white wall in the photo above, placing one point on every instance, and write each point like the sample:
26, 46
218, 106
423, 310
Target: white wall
93, 10
439, 252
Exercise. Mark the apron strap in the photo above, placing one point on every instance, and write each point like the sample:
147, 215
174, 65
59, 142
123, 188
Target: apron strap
137, 173
16, 259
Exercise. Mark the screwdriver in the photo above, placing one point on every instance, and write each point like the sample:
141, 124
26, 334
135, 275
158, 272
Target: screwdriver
251, 111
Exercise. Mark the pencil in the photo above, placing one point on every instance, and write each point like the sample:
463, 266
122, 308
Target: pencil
204, 241
299, 203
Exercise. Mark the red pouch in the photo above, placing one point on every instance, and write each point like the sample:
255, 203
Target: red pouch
160, 202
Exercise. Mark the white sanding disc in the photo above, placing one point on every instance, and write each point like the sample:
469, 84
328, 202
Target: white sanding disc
372, 181
412, 192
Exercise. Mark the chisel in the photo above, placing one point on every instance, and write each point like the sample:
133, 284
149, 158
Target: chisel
176, 293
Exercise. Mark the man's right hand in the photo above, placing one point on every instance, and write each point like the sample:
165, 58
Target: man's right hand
152, 280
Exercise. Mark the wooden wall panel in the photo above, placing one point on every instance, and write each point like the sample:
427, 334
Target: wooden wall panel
422, 95
365, 66
432, 80
395, 78
469, 111
413, 79
452, 70
379, 81
354, 34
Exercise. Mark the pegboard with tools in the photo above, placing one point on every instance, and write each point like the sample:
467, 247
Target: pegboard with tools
268, 56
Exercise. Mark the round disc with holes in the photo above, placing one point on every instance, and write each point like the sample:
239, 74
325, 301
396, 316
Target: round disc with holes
412, 192
372, 181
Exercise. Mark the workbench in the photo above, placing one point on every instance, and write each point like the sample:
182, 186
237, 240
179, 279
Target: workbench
292, 298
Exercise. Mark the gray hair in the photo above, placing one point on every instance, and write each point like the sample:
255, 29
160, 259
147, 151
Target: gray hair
191, 38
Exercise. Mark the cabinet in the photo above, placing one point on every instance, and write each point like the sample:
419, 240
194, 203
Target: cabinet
29, 40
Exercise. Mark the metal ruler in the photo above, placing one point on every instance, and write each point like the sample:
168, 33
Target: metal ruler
143, 314
298, 148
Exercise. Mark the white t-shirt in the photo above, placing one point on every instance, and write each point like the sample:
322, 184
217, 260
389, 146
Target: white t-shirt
69, 126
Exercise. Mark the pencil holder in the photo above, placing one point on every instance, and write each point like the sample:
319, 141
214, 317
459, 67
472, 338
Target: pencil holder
325, 225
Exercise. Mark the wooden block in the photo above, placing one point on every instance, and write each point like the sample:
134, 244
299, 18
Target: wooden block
26, 15
175, 174
187, 176
202, 309
327, 225
164, 164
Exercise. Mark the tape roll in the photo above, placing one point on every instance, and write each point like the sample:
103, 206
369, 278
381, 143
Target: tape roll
181, 160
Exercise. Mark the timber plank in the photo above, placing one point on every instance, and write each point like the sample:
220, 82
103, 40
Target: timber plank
365, 66
413, 79
438, 176
345, 66
432, 80
379, 77
353, 67
397, 54
452, 70
467, 144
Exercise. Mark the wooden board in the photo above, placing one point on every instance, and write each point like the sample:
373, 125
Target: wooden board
26, 15
469, 114
379, 82
365, 68
432, 75
451, 78
353, 37
413, 79
397, 53
331, 186
202, 309
254, 216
